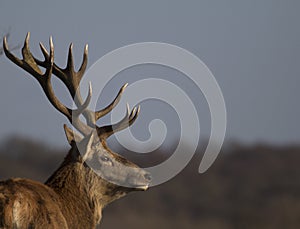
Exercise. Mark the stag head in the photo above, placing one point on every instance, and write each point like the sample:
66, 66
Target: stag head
105, 174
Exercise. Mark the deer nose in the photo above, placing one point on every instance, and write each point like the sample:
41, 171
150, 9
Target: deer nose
148, 176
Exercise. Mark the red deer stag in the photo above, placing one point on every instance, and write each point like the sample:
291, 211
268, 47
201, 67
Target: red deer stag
75, 194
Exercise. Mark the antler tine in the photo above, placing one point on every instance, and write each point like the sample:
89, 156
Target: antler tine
128, 120
83, 66
86, 103
106, 110
9, 55
44, 51
28, 64
70, 62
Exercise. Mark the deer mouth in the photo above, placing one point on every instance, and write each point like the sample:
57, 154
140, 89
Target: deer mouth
141, 187
134, 188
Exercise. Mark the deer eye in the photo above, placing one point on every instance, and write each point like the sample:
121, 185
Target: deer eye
105, 159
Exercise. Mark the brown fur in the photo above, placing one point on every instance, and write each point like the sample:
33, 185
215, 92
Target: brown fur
25, 204
73, 197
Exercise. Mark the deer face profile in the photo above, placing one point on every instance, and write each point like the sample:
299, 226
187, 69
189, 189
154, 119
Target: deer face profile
91, 175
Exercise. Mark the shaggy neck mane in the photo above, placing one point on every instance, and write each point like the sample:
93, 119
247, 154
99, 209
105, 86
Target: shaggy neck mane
73, 182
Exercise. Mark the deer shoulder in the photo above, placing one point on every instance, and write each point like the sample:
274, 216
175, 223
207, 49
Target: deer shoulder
26, 203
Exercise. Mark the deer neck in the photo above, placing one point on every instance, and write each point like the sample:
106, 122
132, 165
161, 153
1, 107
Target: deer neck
73, 182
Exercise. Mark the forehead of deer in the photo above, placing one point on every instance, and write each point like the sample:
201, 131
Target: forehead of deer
104, 145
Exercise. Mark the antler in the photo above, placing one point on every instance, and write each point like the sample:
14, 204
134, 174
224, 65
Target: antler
129, 118
71, 80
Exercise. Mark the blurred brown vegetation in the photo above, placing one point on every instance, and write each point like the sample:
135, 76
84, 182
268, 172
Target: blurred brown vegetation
247, 187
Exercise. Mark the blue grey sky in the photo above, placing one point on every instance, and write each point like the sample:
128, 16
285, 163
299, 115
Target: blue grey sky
251, 47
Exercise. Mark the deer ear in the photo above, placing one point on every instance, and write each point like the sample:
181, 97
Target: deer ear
85, 146
71, 135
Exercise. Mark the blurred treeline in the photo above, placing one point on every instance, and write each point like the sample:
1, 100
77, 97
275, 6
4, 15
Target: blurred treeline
247, 187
